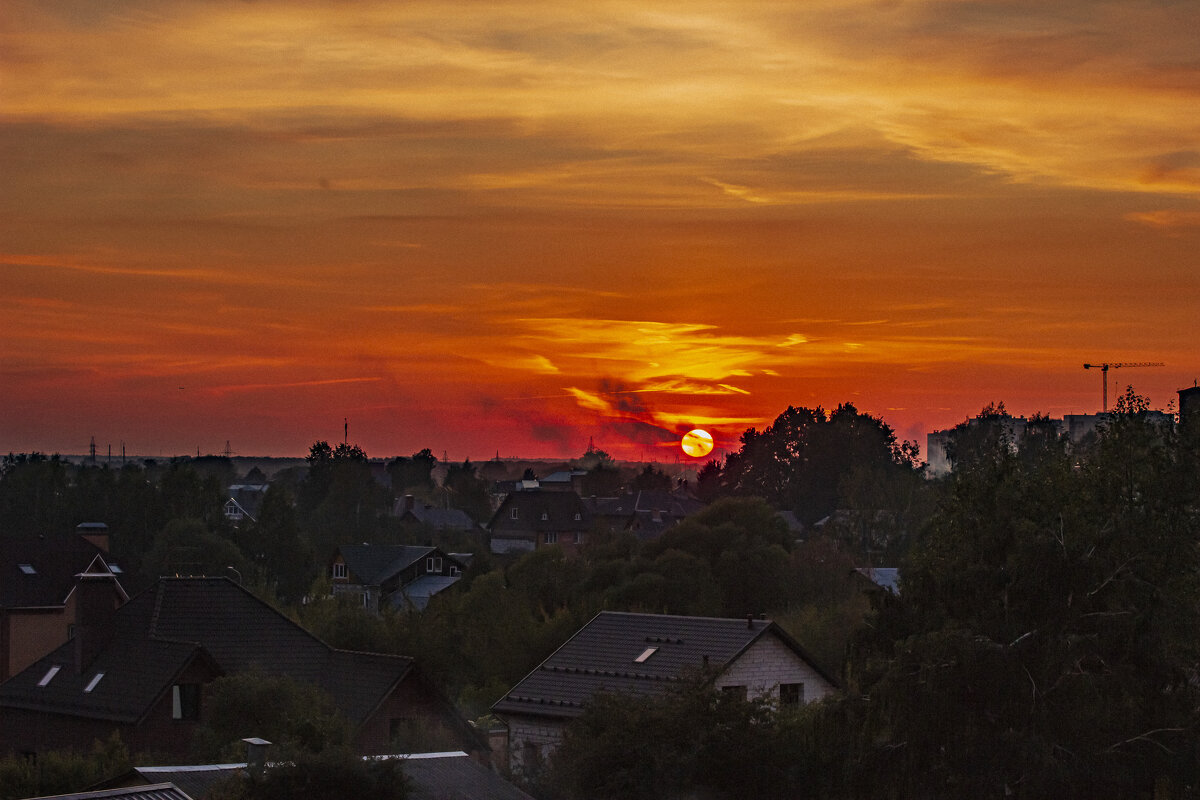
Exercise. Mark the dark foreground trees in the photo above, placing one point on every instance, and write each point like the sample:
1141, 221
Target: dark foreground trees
1045, 645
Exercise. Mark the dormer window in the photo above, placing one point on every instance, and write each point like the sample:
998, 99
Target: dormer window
649, 651
512, 514
433, 564
339, 570
49, 676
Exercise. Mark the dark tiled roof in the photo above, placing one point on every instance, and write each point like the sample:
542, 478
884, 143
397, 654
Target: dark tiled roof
158, 630
157, 791
601, 657
54, 561
135, 671
455, 776
418, 592
197, 781
447, 519
559, 509
373, 564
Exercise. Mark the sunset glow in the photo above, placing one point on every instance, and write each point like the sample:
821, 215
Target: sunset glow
512, 227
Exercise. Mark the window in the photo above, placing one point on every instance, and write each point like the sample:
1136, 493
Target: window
512, 513
92, 683
434, 564
791, 694
578, 516
185, 701
545, 516
49, 676
454, 571
27, 569
649, 651
366, 599
339, 570
549, 538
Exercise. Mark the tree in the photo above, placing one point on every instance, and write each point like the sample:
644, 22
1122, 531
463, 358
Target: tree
1044, 643
331, 774
800, 462
295, 717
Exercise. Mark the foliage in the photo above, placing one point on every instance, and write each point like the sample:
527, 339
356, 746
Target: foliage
332, 774
187, 547
813, 462
295, 717
1044, 644
692, 740
62, 771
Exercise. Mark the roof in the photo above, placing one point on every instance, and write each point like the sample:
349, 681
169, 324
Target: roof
432, 776
603, 656
161, 630
455, 776
447, 519
197, 780
41, 572
539, 511
156, 791
885, 577
418, 592
373, 564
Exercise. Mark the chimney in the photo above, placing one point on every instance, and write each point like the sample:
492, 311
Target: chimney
750, 621
256, 755
95, 616
408, 502
94, 532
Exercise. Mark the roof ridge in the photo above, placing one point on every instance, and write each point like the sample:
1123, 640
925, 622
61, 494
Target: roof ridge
158, 601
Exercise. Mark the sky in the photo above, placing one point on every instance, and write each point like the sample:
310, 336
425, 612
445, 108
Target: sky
514, 228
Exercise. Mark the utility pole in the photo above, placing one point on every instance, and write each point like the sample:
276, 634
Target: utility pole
1105, 366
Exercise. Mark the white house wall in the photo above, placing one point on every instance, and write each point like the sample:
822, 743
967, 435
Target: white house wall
766, 664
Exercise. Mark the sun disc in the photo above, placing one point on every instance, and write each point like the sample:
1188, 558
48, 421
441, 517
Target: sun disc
697, 443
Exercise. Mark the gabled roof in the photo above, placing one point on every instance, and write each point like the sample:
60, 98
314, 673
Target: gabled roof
157, 791
446, 519
541, 511
604, 656
41, 572
132, 676
177, 619
373, 564
418, 592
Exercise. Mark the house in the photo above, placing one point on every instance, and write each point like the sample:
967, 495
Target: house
399, 575
531, 519
441, 519
38, 578
431, 776
646, 512
641, 654
245, 502
143, 671
886, 578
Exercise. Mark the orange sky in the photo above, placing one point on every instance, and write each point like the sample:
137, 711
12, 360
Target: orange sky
511, 226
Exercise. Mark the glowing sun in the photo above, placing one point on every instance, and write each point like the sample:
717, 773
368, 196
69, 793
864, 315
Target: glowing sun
697, 443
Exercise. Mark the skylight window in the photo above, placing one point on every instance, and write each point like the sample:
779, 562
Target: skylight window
49, 676
92, 683
28, 569
649, 651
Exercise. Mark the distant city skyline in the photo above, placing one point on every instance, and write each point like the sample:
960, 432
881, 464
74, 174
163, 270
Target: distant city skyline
511, 227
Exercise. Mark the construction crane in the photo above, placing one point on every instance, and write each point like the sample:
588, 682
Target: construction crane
1105, 366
